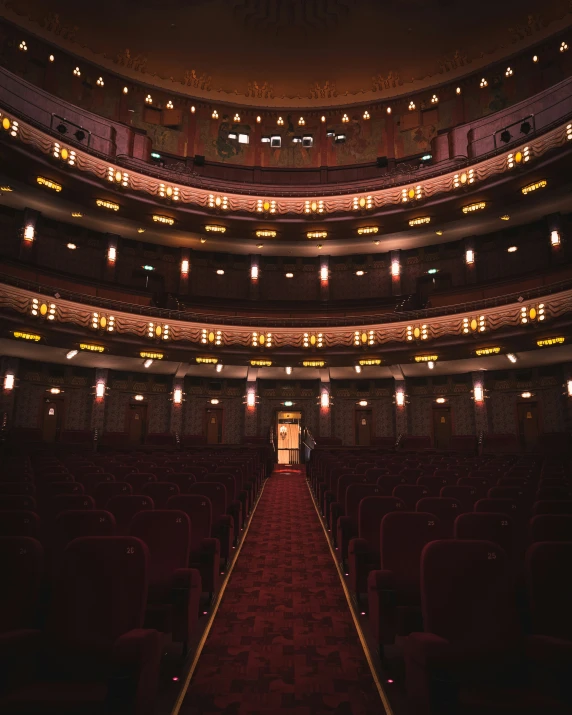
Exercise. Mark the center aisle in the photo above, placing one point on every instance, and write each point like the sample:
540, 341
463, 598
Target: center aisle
283, 640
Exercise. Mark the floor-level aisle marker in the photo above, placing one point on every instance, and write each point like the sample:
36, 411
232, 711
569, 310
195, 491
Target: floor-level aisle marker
363, 641
203, 640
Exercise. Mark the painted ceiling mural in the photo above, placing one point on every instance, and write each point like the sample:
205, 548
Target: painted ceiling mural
314, 49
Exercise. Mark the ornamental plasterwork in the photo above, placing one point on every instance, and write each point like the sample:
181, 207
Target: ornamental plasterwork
20, 300
235, 203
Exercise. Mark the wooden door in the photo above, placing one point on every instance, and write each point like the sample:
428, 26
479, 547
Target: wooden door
363, 428
528, 424
52, 419
137, 427
442, 428
214, 426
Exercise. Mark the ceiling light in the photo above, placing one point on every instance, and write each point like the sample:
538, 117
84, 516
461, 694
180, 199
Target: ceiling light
534, 187
317, 234
259, 245
33, 337
368, 230
215, 229
49, 184
512, 357
288, 370
357, 368
487, 351
438, 233
7, 189
77, 214
219, 367
319, 246
163, 219
505, 217
71, 354
289, 275
109, 205
512, 249
90, 348
152, 355
203, 240
430, 364
548, 342
148, 362
420, 221
71, 246
220, 272
265, 233
479, 206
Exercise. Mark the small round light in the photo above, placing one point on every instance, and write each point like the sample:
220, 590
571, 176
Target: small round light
289, 275
220, 272
512, 249
360, 273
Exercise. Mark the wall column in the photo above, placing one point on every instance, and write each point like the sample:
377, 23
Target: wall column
184, 271
324, 278
482, 417
8, 366
110, 257
250, 407
100, 396
325, 423
176, 421
470, 268
395, 272
254, 283
402, 426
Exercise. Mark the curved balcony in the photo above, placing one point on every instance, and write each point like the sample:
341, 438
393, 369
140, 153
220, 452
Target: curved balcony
469, 144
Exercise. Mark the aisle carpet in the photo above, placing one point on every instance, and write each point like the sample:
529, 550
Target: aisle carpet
283, 640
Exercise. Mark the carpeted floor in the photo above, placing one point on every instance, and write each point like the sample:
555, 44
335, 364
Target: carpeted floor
283, 640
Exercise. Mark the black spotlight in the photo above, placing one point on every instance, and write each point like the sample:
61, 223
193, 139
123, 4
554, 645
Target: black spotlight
525, 127
505, 136
61, 128
79, 135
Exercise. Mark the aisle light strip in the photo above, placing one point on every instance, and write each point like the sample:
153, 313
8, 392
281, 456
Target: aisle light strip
181, 697
384, 699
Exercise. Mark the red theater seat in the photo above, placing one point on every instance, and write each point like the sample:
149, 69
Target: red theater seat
479, 484
160, 492
548, 527
67, 502
446, 509
94, 655
235, 507
471, 634
21, 488
125, 506
174, 588
19, 523
222, 523
21, 566
363, 551
70, 525
484, 526
410, 494
205, 551
139, 480
393, 592
432, 484
554, 493
347, 525
105, 490
561, 506
10, 502
549, 648
466, 496
183, 480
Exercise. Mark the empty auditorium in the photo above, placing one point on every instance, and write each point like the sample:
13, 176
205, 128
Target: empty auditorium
285, 357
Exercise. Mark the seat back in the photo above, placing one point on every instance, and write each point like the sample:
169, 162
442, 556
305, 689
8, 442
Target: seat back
549, 579
167, 533
100, 593
199, 510
402, 538
472, 579
10, 502
553, 493
72, 524
388, 482
22, 488
486, 526
229, 481
466, 496
558, 506
446, 509
160, 492
371, 511
139, 480
410, 494
216, 493
479, 484
125, 506
105, 490
19, 522
433, 485
354, 494
21, 566
548, 527
183, 480
67, 502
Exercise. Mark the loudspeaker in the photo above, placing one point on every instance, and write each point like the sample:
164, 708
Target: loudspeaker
382, 162
199, 160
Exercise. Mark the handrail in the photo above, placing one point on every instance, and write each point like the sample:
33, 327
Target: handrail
221, 319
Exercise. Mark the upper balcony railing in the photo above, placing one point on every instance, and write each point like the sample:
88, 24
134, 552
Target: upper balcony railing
317, 321
130, 147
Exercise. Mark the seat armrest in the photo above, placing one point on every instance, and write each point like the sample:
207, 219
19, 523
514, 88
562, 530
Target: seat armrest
186, 579
135, 661
358, 546
135, 648
427, 648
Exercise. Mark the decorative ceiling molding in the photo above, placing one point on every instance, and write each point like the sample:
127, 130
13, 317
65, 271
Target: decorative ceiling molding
316, 207
196, 84
420, 335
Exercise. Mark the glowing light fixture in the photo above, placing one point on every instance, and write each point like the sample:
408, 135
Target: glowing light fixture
148, 362
265, 233
288, 370
395, 268
32, 337
163, 219
325, 400
487, 351
420, 221
109, 205
9, 381
554, 238
469, 256
367, 230
548, 342
112, 254
512, 249
139, 398
440, 400
71, 246
29, 232
185, 267
90, 348
426, 358
251, 398
478, 393
100, 390
362, 403
512, 357
526, 395
471, 208
399, 398
357, 368
215, 229
49, 184
324, 273
483, 83
254, 273
71, 354
569, 388
219, 367
534, 187
317, 234
313, 363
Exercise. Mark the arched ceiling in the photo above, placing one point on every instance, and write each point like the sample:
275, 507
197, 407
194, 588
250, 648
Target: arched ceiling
314, 49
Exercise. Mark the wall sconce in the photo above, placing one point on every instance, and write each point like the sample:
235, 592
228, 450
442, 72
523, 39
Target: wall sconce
185, 267
111, 254
29, 233
138, 398
395, 268
251, 399
554, 238
100, 390
288, 370
479, 394
569, 388
324, 273
325, 400
177, 396
469, 256
254, 273
357, 368
400, 398
9, 381
219, 367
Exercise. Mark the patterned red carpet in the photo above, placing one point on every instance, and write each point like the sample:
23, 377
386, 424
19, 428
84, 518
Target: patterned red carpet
283, 641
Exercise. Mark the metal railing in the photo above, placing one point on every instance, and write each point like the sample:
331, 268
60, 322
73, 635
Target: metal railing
285, 322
